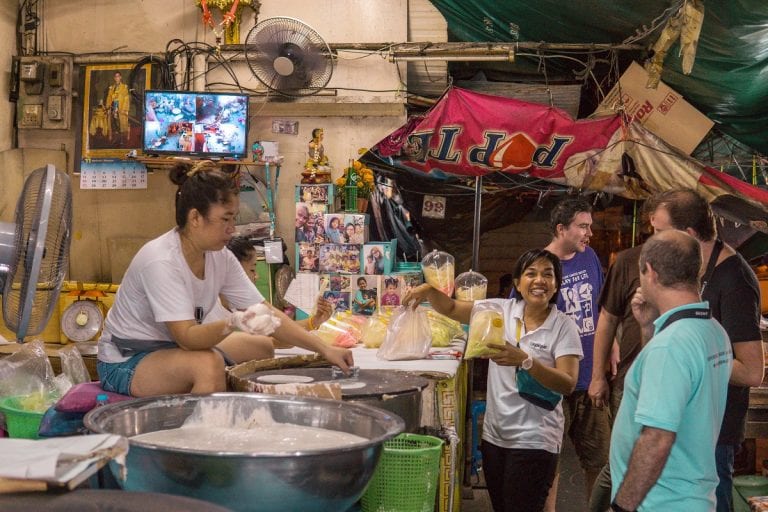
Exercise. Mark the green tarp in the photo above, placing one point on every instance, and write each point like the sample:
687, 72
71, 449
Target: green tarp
729, 82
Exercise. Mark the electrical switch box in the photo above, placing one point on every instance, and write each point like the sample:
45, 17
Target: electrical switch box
31, 115
45, 95
55, 74
55, 105
30, 71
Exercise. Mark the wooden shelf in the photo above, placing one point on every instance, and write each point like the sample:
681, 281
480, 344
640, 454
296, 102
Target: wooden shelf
161, 162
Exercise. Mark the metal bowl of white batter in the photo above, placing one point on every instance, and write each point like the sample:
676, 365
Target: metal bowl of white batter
312, 480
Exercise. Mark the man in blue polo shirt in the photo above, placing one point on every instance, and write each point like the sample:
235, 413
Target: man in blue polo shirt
663, 443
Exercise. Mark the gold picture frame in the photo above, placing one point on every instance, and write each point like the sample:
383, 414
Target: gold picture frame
112, 110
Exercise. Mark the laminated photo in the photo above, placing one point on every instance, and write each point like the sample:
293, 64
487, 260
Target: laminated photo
364, 295
334, 228
342, 258
307, 259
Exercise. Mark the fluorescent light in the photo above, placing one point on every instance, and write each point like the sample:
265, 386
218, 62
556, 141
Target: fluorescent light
453, 56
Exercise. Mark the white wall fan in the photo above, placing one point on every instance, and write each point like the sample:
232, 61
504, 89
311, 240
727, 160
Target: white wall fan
34, 251
288, 56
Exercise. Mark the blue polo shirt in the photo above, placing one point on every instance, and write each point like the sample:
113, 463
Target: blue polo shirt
678, 383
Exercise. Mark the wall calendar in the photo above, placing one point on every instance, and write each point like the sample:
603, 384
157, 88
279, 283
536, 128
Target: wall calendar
113, 175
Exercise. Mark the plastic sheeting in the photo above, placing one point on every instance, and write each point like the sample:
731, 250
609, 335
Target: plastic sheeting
728, 82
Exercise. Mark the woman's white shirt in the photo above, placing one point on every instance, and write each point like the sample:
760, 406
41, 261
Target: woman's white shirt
511, 421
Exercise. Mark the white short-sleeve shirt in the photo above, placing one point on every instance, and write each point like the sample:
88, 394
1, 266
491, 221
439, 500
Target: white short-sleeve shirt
510, 421
159, 287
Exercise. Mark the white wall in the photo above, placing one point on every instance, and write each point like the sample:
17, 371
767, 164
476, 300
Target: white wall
351, 119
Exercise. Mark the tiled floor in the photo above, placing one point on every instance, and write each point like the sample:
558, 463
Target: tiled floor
570, 497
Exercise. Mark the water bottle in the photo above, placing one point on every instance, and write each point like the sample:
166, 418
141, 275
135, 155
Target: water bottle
101, 399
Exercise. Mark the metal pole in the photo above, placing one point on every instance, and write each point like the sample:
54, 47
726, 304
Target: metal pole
476, 228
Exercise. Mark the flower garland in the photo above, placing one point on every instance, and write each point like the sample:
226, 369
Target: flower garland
365, 181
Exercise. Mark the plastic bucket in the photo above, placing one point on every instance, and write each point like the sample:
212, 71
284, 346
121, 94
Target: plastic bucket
745, 486
18, 422
407, 475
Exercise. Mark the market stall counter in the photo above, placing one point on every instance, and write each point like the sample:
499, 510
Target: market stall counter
442, 396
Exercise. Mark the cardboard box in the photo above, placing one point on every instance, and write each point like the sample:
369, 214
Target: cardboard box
379, 257
663, 111
321, 193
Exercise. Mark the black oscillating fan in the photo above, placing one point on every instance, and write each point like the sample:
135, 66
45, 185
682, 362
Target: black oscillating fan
34, 251
288, 57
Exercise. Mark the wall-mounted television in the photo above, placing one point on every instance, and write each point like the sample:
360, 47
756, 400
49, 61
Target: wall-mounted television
196, 124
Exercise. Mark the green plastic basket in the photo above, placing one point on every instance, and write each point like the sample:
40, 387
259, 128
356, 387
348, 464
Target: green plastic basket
406, 478
20, 423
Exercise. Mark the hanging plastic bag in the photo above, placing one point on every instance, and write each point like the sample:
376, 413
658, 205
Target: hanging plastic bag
439, 271
408, 336
471, 286
485, 326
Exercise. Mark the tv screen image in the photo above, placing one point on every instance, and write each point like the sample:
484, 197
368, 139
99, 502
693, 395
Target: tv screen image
195, 124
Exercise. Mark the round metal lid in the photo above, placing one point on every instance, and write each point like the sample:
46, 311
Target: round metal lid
374, 382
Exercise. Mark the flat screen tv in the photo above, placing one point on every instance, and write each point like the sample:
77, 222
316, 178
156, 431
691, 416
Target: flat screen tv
195, 124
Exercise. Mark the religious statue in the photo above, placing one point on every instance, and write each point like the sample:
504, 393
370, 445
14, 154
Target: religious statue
317, 169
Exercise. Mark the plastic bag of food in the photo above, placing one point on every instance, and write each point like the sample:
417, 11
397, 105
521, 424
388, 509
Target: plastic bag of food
374, 330
444, 329
485, 326
439, 271
471, 286
28, 375
408, 336
342, 329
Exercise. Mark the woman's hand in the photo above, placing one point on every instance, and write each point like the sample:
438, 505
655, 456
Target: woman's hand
323, 311
508, 355
417, 295
340, 357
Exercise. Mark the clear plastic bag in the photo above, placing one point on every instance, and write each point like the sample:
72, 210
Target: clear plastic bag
485, 326
471, 286
72, 365
28, 375
375, 328
444, 329
439, 271
408, 336
342, 329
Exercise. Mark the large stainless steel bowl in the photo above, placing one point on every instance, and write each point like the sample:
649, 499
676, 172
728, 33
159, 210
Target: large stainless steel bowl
312, 480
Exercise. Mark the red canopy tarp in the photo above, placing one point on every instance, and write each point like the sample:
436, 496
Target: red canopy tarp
474, 134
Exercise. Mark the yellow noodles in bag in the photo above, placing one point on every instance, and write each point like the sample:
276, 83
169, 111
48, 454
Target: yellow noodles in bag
486, 326
443, 329
375, 328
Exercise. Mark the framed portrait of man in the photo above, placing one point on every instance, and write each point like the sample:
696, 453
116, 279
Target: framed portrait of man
112, 109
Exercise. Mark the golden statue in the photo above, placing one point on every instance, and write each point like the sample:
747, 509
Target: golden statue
317, 169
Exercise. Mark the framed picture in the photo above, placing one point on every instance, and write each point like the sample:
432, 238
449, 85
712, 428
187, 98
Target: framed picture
112, 109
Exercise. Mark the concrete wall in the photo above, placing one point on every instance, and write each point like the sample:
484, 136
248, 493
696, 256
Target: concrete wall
8, 10
110, 225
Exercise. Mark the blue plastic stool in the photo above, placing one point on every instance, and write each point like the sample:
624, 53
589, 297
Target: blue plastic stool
478, 408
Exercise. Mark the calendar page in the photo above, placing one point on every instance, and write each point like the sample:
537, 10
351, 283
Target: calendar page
112, 175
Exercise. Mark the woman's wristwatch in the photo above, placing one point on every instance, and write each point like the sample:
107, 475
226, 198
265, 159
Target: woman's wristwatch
527, 363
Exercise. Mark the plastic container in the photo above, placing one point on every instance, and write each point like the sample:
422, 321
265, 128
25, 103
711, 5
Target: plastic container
471, 286
407, 475
20, 423
745, 486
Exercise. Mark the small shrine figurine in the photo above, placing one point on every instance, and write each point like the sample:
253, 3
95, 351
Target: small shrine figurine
316, 170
